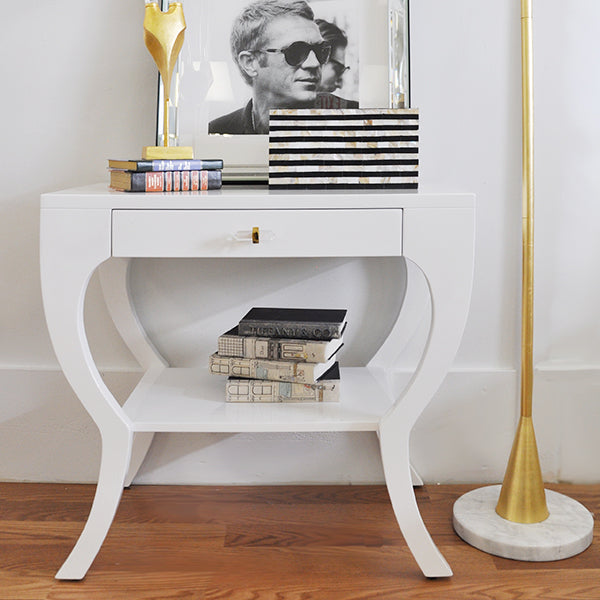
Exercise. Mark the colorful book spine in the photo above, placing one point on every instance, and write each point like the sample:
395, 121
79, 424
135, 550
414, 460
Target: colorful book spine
166, 181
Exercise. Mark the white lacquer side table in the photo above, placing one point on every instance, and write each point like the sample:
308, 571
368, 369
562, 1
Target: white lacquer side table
82, 228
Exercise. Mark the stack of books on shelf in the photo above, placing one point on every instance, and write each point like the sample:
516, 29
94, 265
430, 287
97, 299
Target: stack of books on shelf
282, 355
185, 175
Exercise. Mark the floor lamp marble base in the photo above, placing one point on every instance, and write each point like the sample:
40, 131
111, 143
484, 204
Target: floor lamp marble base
566, 532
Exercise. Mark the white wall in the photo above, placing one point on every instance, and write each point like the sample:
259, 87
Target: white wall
76, 94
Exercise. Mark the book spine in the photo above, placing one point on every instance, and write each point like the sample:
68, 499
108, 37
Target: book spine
274, 349
284, 329
180, 165
294, 372
255, 390
175, 181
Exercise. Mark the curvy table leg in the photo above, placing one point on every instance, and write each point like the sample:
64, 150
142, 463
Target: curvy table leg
140, 446
395, 457
401, 333
114, 280
113, 469
72, 244
427, 234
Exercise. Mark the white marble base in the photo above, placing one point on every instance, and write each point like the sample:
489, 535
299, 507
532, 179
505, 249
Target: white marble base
566, 532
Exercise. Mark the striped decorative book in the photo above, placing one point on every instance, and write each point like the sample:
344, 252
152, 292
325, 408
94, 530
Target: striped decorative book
344, 148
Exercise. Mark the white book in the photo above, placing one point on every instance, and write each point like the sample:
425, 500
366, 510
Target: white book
274, 370
232, 343
326, 389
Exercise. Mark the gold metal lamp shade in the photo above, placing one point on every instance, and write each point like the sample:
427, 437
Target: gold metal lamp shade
163, 36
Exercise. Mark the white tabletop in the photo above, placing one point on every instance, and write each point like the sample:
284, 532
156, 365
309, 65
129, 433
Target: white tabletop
249, 197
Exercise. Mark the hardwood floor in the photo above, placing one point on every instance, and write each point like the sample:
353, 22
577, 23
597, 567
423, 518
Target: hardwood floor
265, 543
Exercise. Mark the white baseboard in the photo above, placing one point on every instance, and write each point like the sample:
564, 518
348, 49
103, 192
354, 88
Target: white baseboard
465, 435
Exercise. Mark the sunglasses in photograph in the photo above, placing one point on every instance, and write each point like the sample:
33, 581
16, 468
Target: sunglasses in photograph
338, 68
297, 52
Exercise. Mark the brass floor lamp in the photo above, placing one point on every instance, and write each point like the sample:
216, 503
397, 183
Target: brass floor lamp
520, 519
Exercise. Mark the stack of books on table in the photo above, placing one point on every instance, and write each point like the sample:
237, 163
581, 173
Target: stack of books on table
282, 355
181, 175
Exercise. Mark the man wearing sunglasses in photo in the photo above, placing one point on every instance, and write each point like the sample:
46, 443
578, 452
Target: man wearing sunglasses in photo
280, 52
334, 69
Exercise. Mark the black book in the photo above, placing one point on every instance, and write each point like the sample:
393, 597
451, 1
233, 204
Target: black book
298, 323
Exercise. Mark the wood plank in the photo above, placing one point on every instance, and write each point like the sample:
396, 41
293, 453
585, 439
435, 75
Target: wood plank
125, 585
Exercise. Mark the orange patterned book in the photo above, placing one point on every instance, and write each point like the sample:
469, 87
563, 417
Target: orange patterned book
165, 181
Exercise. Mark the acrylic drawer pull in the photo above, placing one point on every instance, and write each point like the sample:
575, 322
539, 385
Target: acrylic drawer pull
254, 235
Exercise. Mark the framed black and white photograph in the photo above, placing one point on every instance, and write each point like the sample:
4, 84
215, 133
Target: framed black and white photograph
241, 58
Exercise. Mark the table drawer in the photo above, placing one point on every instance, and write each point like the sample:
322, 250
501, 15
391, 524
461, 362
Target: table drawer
228, 233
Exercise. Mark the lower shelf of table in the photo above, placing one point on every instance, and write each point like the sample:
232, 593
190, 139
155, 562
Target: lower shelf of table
186, 400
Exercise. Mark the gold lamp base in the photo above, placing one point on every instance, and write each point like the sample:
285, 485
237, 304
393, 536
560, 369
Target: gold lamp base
167, 152
523, 498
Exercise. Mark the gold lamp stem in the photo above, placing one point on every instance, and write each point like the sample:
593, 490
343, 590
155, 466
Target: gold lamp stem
165, 120
522, 497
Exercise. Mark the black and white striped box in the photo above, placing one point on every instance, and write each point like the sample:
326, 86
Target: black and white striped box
344, 148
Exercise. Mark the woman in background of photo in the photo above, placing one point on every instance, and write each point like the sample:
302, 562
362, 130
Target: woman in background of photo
332, 72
